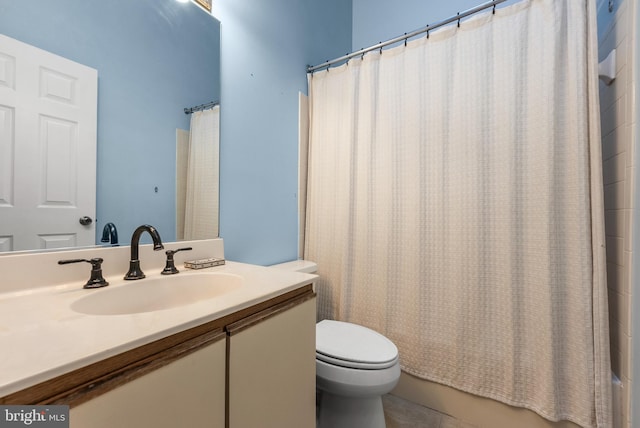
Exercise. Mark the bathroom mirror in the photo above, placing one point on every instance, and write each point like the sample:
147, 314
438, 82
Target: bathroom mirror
154, 58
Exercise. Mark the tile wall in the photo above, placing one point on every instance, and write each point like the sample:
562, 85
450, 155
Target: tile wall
618, 127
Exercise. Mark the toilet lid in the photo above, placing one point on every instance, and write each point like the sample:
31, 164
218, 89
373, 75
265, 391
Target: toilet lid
353, 345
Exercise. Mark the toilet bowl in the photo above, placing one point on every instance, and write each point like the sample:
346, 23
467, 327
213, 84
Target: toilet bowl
355, 366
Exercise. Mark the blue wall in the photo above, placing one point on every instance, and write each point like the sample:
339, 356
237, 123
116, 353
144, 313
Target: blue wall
604, 16
154, 57
265, 48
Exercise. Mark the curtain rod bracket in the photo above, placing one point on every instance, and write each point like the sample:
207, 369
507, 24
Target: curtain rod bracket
189, 110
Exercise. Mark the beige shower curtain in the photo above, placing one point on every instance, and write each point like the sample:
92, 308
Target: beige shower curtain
455, 205
201, 210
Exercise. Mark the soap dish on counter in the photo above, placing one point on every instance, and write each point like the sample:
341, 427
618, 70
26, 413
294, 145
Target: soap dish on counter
203, 263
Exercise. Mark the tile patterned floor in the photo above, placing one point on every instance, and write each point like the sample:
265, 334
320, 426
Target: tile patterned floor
400, 413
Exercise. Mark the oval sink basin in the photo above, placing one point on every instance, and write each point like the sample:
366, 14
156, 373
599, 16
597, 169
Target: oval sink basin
154, 294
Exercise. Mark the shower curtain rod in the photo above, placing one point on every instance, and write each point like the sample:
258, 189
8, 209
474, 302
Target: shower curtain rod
201, 107
457, 17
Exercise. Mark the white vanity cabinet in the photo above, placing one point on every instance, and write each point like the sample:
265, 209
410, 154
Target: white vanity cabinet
254, 367
271, 368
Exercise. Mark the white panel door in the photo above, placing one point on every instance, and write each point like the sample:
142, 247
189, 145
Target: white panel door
48, 122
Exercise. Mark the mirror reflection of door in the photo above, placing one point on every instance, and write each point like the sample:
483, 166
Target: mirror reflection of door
48, 124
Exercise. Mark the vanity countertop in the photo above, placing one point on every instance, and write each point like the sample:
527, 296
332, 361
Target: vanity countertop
41, 337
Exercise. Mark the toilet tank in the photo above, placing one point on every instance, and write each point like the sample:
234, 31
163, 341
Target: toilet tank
298, 266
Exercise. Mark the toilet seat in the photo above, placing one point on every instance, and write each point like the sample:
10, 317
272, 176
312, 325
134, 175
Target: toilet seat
354, 364
353, 346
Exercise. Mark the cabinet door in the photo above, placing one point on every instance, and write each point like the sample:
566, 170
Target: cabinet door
272, 369
189, 392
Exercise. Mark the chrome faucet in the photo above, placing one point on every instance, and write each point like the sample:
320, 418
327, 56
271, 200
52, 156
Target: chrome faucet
110, 234
134, 264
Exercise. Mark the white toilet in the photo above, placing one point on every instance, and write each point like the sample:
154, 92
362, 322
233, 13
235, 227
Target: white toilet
355, 366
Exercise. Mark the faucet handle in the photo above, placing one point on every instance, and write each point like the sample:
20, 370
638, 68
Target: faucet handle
96, 280
170, 267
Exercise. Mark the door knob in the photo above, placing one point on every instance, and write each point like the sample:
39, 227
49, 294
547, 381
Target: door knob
85, 221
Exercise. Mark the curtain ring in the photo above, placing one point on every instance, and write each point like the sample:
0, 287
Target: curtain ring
427, 34
494, 9
458, 20
405, 40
